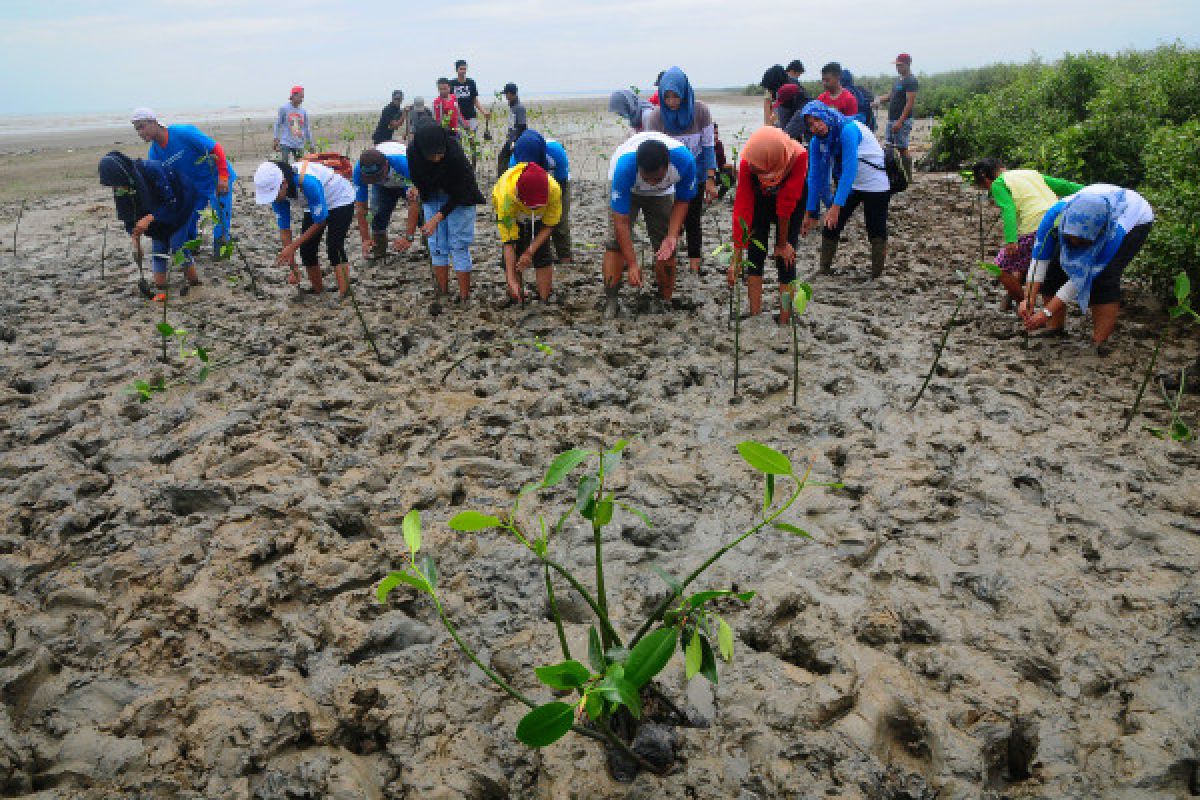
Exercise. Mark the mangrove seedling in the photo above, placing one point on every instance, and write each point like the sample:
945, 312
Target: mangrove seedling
1177, 430
618, 671
481, 352
1182, 308
968, 285
17, 226
801, 295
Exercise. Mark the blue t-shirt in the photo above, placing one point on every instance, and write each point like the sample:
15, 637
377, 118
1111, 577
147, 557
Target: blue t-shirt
680, 179
314, 198
398, 175
556, 157
189, 152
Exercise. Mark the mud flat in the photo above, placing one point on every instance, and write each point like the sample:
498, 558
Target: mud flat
1001, 602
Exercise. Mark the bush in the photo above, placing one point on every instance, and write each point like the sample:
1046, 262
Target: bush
1129, 119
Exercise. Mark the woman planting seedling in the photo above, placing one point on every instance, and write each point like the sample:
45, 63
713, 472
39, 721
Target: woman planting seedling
381, 175
626, 104
1083, 245
328, 202
524, 195
770, 188
153, 199
551, 156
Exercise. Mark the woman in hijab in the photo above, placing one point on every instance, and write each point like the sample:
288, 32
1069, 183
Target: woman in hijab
153, 199
770, 187
625, 103
1083, 245
851, 148
444, 177
688, 120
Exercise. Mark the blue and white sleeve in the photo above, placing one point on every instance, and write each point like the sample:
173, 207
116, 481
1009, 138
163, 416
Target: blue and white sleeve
851, 139
283, 214
685, 164
1045, 242
360, 188
624, 176
314, 194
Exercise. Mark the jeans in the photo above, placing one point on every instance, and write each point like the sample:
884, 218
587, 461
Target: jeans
161, 250
900, 138
383, 203
222, 204
452, 240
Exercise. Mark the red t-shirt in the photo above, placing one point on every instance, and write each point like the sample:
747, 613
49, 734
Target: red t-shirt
787, 195
446, 107
844, 102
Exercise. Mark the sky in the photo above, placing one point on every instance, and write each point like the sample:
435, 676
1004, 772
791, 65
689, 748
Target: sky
64, 56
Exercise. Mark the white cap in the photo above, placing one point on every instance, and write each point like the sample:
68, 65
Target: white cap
267, 180
143, 114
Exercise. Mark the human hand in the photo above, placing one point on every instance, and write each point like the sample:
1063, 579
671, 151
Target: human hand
896, 126
1035, 320
666, 250
142, 225
786, 252
431, 224
1011, 249
222, 185
710, 190
275, 144
635, 276
366, 248
525, 261
806, 225
832, 216
287, 256
402, 244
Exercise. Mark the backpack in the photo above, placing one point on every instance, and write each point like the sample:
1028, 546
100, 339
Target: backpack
865, 98
898, 179
335, 161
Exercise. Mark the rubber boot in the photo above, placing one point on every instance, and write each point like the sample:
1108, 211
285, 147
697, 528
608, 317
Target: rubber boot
878, 255
906, 161
829, 247
379, 245
612, 303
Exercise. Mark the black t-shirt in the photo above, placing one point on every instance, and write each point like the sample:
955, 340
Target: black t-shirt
465, 92
900, 91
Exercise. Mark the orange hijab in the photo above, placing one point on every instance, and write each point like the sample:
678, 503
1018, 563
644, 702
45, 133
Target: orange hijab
771, 153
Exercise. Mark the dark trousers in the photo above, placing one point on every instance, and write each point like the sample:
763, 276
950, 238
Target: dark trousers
692, 225
383, 203
336, 226
875, 211
760, 230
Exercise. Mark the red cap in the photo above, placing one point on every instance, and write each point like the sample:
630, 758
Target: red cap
533, 186
297, 90
786, 93
904, 58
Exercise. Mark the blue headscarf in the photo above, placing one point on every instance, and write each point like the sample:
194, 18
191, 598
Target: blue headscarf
673, 80
1091, 215
628, 105
831, 143
531, 146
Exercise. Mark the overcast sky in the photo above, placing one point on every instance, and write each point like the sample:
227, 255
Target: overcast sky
70, 55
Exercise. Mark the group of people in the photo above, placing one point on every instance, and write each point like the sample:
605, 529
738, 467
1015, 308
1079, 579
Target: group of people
812, 164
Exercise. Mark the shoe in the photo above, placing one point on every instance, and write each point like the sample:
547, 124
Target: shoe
612, 304
878, 256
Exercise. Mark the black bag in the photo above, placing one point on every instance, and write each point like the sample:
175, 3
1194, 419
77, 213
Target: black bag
898, 179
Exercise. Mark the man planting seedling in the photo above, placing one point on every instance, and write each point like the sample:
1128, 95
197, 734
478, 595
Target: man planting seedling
523, 196
383, 170
200, 160
551, 156
653, 174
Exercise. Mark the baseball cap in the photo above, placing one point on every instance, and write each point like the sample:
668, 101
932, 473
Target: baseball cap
267, 180
296, 90
904, 58
510, 88
372, 166
533, 186
143, 114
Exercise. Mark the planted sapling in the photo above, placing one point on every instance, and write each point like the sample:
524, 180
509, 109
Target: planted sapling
1182, 309
610, 686
800, 296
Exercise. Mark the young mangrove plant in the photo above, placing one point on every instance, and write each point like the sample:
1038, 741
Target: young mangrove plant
482, 352
1177, 430
610, 688
801, 295
1182, 309
968, 285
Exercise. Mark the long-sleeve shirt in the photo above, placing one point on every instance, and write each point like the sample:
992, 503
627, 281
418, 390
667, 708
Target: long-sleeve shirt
383, 129
398, 175
626, 181
1023, 197
787, 195
196, 156
292, 128
172, 200
453, 175
857, 142
318, 190
700, 138
510, 211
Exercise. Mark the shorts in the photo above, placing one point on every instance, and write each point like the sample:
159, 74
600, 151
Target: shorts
541, 256
1018, 264
656, 209
1106, 287
471, 124
900, 138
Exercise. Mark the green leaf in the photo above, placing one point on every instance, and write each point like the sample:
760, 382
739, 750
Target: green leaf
668, 578
394, 579
787, 527
604, 512
593, 704
202, 375
567, 675
699, 599
725, 639
429, 569
468, 521
585, 496
202, 354
546, 724
708, 661
650, 655
412, 530
595, 651
562, 464
801, 296
630, 697
765, 459
692, 657
1183, 288
990, 268
165, 328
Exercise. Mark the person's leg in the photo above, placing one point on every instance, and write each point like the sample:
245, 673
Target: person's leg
1104, 321
657, 211
543, 263
439, 245
383, 204
336, 227
787, 272
902, 139
461, 230
308, 256
160, 258
875, 212
692, 225
1105, 300
831, 236
562, 232
760, 231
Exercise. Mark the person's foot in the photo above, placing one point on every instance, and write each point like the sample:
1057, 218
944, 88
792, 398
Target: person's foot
1048, 333
1007, 303
1102, 349
612, 306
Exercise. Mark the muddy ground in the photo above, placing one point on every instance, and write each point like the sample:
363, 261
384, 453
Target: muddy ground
1001, 602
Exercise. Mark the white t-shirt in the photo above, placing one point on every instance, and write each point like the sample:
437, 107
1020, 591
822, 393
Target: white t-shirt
872, 175
338, 191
